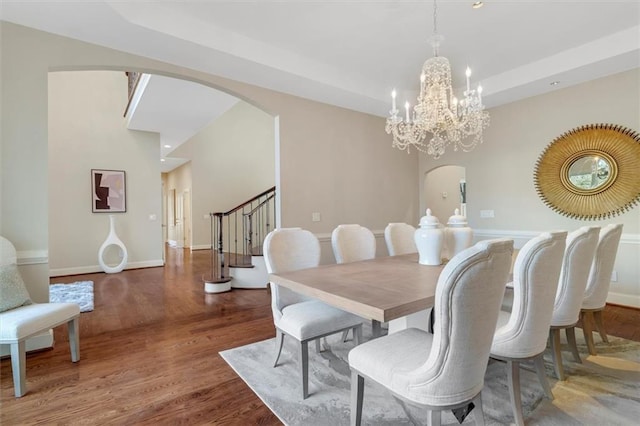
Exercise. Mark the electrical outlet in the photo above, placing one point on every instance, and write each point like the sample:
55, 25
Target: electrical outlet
614, 276
315, 217
486, 213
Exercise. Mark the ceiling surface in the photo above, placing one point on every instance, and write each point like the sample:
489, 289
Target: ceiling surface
352, 53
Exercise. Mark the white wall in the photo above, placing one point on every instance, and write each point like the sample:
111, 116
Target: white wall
500, 172
332, 161
87, 131
232, 160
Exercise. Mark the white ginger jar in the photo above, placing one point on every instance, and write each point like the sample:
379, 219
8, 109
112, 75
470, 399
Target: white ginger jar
429, 239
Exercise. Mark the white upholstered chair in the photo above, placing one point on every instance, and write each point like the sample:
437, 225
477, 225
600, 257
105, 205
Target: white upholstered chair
576, 263
522, 334
399, 238
595, 295
300, 317
352, 243
21, 319
444, 370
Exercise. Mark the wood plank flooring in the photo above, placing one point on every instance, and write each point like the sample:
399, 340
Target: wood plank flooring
149, 353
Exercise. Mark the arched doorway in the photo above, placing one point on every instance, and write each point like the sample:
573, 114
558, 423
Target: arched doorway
442, 190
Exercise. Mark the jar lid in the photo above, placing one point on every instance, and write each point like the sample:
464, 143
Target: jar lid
457, 219
429, 221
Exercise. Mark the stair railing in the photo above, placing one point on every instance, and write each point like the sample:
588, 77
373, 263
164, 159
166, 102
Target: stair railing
238, 234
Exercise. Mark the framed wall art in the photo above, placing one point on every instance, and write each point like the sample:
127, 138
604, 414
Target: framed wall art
108, 191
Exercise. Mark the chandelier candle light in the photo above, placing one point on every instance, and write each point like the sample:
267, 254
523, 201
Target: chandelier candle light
438, 112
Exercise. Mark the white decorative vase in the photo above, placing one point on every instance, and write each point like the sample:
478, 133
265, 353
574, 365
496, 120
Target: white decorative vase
112, 240
429, 239
458, 236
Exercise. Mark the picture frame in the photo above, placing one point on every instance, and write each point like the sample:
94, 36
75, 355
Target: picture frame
108, 191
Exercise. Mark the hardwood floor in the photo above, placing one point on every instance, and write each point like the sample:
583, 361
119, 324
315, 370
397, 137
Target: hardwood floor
149, 353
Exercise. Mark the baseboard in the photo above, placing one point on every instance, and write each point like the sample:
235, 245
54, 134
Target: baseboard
32, 257
80, 270
622, 299
201, 247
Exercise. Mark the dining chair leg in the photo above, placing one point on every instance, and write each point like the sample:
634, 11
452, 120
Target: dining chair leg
513, 373
357, 396
554, 338
573, 346
542, 376
434, 417
345, 335
432, 320
304, 367
478, 412
357, 333
18, 367
279, 342
586, 318
74, 340
597, 316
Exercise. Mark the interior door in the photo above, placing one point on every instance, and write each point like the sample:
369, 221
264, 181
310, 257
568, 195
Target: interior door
179, 231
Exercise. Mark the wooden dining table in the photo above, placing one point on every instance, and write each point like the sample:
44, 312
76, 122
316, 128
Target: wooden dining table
382, 289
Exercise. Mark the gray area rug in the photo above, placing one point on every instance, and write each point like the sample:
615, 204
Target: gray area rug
80, 292
603, 390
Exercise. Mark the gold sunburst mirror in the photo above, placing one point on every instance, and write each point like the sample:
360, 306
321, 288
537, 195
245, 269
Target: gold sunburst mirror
591, 172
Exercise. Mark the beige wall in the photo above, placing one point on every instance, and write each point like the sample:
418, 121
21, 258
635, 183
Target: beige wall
500, 172
331, 160
232, 160
87, 131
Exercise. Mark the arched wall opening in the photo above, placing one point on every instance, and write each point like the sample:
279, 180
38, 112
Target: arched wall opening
442, 192
137, 153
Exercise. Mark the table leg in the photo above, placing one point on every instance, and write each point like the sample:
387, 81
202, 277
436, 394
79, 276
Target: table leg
376, 328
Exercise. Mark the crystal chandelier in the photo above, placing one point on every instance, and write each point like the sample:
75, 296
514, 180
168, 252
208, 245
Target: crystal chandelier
438, 113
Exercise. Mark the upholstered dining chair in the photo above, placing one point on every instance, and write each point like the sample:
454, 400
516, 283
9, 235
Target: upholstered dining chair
576, 263
595, 295
351, 243
522, 334
444, 370
21, 319
300, 317
399, 238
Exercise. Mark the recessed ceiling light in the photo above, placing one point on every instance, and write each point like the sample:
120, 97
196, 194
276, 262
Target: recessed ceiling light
162, 160
554, 83
477, 5
167, 146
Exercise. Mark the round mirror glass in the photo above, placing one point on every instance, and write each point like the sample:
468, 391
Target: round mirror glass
589, 172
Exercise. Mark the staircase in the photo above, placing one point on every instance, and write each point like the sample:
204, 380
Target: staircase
236, 244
